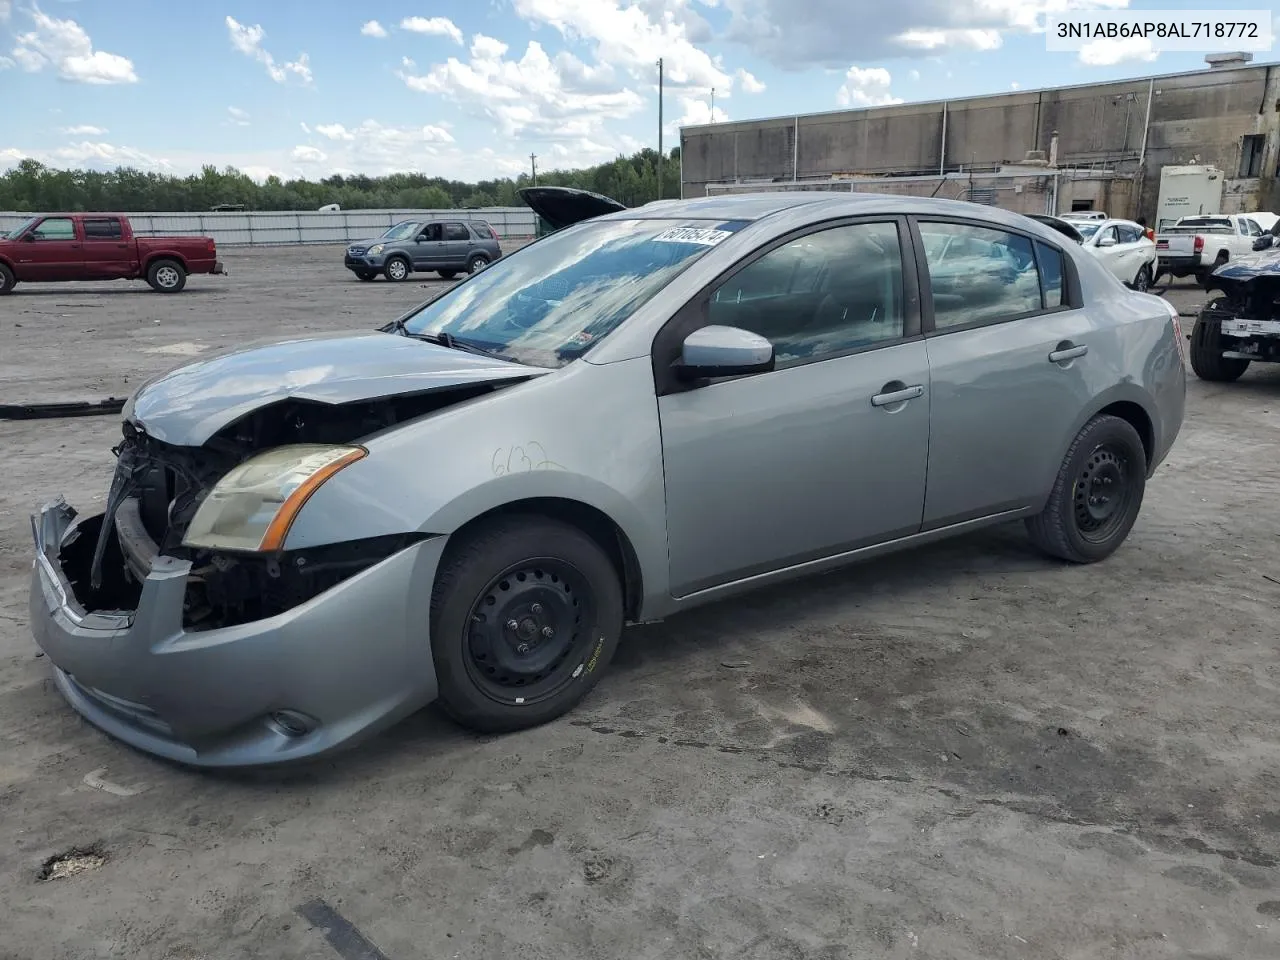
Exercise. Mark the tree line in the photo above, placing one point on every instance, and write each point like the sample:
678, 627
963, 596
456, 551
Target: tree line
32, 187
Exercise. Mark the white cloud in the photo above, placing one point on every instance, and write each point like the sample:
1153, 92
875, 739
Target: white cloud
248, 40
915, 74
305, 154
238, 117
373, 28
1015, 85
799, 34
436, 26
866, 87
64, 46
695, 112
6, 63
334, 131
6, 9
1108, 53
84, 130
528, 97
749, 83
627, 37
951, 39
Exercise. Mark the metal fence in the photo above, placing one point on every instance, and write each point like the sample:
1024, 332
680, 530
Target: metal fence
265, 228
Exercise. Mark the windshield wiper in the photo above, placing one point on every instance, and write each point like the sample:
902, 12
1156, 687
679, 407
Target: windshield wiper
450, 342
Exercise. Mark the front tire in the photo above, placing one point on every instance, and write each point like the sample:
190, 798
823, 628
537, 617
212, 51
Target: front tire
1207, 361
166, 276
366, 275
7, 280
396, 269
525, 616
1097, 494
447, 274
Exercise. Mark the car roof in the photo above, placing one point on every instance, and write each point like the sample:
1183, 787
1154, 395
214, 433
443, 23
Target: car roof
819, 204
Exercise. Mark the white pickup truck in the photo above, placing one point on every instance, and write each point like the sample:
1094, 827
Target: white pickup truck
1196, 246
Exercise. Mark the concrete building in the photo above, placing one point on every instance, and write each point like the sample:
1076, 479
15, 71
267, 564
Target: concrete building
1100, 146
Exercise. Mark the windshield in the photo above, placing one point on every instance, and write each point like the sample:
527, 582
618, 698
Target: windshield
19, 228
1087, 228
401, 231
549, 303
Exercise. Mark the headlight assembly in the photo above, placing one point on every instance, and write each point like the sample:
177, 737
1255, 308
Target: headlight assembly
376, 249
253, 506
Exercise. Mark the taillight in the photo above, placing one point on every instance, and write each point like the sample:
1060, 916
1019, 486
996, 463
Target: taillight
1177, 331
1199, 243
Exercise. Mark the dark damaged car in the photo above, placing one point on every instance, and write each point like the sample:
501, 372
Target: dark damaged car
1241, 324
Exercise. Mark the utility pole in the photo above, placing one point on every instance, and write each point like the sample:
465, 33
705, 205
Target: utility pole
659, 128
713, 104
533, 163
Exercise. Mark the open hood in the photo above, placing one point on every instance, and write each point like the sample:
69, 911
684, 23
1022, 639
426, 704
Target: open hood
188, 405
1057, 223
564, 206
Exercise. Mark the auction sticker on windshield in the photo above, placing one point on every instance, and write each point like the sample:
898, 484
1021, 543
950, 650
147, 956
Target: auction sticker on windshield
708, 238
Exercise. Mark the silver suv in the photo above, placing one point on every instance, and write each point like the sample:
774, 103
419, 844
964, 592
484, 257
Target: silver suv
448, 247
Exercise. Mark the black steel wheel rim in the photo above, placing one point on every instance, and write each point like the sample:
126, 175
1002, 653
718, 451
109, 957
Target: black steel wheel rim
1103, 492
529, 632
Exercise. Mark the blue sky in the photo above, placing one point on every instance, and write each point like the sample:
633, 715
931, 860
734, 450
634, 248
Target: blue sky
470, 89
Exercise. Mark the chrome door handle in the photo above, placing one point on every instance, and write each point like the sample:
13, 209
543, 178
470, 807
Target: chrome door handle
897, 396
1063, 354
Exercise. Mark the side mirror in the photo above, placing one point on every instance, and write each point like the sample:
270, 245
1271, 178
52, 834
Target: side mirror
718, 351
1263, 242
1107, 241
29, 237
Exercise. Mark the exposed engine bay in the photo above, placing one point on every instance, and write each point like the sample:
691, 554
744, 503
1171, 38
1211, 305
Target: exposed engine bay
1247, 314
158, 487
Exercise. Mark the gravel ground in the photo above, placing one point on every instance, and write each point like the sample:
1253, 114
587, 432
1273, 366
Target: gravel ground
962, 752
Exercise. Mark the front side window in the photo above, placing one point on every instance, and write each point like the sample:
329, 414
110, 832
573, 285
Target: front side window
552, 301
55, 228
979, 274
820, 295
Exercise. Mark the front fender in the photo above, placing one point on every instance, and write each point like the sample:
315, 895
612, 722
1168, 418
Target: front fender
587, 433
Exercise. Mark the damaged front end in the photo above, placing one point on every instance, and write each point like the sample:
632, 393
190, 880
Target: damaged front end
1247, 313
158, 490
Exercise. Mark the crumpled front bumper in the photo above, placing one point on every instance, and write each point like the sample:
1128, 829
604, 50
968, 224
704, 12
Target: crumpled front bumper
339, 667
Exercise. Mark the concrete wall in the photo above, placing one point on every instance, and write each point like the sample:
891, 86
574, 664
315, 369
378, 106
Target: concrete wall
266, 228
1197, 115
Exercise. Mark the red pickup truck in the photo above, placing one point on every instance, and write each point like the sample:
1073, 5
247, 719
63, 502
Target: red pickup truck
99, 246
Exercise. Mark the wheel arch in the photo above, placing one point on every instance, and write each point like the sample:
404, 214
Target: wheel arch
156, 255
592, 521
1137, 417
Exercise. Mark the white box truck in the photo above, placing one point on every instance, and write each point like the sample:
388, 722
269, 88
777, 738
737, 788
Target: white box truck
1188, 191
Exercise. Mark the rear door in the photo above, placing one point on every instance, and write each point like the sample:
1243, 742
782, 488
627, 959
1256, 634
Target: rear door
457, 244
51, 250
106, 252
1007, 361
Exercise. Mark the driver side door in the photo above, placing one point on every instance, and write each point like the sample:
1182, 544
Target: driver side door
827, 452
428, 249
50, 250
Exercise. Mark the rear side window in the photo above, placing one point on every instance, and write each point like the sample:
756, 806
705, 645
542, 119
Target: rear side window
482, 231
1050, 261
456, 231
979, 275
104, 229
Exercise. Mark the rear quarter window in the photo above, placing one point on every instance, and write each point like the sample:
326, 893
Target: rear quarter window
482, 231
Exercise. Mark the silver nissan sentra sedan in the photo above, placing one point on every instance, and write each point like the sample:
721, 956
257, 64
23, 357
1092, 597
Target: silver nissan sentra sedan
646, 410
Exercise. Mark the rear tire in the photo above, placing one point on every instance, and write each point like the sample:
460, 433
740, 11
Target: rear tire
477, 263
525, 616
1143, 281
7, 280
396, 269
166, 276
1097, 494
1207, 361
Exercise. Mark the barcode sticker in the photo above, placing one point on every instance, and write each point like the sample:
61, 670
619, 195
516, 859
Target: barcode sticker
707, 238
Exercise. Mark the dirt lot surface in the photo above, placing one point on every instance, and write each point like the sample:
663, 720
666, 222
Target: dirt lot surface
963, 752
